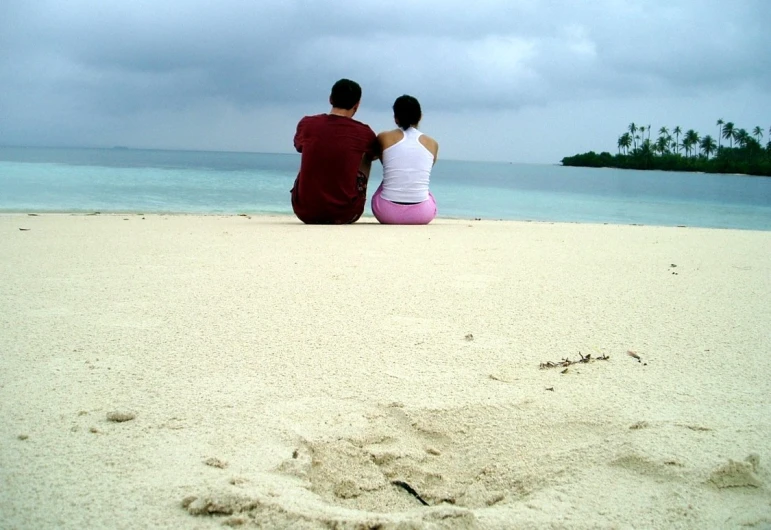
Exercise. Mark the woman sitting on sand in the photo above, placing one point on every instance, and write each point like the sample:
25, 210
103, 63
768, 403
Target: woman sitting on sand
408, 157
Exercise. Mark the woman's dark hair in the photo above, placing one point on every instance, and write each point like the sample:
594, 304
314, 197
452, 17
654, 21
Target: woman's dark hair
345, 94
407, 111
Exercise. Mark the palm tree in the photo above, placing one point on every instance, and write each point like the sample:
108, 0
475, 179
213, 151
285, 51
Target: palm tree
741, 136
632, 130
708, 146
649, 132
662, 144
663, 131
728, 132
720, 123
757, 132
642, 132
624, 142
678, 131
690, 140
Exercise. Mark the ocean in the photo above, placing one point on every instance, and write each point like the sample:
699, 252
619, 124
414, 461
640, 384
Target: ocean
156, 181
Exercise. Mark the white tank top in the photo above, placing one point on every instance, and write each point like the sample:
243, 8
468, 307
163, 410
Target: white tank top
407, 169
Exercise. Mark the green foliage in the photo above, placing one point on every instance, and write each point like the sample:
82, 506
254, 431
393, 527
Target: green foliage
748, 156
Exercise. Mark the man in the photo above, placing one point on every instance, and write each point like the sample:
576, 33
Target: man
337, 153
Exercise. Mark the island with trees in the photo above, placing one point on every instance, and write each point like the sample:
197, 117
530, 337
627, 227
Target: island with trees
678, 150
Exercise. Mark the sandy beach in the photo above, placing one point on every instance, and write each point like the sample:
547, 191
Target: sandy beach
200, 371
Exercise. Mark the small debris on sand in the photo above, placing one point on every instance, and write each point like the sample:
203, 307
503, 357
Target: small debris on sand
121, 416
23, 436
469, 337
630, 353
215, 462
409, 489
567, 362
187, 501
695, 427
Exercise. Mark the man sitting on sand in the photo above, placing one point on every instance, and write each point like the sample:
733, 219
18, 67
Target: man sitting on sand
337, 153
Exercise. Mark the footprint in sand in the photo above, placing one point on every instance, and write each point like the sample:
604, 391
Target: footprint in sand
404, 460
394, 467
641, 465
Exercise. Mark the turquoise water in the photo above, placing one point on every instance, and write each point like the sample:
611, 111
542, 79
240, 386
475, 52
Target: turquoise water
129, 180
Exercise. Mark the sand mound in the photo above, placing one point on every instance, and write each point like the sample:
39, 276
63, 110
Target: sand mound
737, 474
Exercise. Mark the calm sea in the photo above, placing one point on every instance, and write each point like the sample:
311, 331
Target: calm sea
133, 180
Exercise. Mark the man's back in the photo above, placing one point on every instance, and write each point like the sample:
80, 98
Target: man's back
329, 188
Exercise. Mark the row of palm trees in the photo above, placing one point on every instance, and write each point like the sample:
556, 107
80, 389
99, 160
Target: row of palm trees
692, 143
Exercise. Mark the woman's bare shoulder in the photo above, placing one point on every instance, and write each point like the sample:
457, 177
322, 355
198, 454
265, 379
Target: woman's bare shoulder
429, 143
389, 138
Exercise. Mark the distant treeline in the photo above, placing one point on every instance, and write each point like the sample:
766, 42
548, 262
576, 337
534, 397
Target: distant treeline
694, 153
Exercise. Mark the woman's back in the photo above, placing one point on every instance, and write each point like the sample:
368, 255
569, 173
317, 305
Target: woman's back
407, 164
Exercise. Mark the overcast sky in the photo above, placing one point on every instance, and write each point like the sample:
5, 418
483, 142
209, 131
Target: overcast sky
509, 80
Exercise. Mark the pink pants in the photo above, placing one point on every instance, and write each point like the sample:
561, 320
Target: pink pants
391, 213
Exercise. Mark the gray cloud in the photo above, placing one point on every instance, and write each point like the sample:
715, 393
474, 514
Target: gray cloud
76, 69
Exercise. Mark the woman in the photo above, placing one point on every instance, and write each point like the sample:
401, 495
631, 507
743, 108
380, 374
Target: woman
408, 157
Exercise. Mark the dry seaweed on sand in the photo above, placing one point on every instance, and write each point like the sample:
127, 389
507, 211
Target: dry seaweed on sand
568, 362
409, 489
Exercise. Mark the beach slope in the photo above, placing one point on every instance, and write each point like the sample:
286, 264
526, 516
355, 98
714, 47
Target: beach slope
194, 371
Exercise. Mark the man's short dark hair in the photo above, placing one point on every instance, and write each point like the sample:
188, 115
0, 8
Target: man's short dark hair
407, 111
345, 94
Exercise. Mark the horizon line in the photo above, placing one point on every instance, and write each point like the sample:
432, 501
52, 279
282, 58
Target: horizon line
129, 148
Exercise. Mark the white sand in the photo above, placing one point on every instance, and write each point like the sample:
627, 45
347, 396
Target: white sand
287, 375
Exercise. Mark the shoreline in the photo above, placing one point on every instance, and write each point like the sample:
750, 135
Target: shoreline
190, 371
367, 218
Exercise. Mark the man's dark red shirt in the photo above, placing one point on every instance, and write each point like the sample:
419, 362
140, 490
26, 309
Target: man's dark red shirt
328, 189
